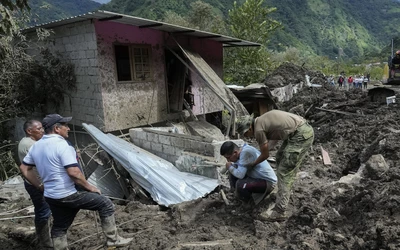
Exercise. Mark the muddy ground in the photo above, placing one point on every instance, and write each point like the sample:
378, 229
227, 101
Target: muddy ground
324, 214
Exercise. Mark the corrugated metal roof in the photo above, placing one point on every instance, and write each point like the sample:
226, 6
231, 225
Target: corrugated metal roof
146, 23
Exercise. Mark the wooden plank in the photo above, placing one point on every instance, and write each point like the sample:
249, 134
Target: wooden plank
224, 197
325, 157
339, 112
206, 243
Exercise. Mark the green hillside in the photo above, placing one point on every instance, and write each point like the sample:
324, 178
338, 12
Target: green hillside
345, 28
43, 11
155, 9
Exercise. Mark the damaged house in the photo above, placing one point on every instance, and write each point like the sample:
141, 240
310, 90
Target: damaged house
132, 72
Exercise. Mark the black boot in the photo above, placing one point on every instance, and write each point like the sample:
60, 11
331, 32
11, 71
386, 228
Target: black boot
43, 235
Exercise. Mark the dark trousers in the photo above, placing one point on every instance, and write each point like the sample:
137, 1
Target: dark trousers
247, 186
42, 209
64, 210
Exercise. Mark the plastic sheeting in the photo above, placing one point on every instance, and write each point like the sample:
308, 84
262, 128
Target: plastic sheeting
166, 184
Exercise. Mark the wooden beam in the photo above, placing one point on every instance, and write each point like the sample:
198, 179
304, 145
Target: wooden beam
183, 31
206, 243
110, 18
207, 37
150, 25
339, 112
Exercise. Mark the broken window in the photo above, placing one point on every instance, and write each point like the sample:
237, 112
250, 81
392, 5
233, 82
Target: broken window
133, 62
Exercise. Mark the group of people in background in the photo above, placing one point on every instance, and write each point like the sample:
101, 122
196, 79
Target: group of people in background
343, 82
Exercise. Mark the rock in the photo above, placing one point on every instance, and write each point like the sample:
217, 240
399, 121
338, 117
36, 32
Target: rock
339, 238
350, 179
375, 167
303, 175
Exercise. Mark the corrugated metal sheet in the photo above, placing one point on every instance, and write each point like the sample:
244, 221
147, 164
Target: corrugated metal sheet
145, 23
166, 184
105, 179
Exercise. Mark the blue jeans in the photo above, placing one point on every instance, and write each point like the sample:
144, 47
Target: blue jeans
42, 209
64, 210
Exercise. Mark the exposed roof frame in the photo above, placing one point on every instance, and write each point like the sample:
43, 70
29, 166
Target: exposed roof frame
106, 16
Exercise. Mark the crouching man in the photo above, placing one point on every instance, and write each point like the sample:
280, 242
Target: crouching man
259, 180
56, 162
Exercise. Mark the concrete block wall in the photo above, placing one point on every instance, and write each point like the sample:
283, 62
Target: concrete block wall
77, 43
194, 154
170, 146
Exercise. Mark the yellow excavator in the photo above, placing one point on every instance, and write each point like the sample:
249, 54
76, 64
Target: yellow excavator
389, 89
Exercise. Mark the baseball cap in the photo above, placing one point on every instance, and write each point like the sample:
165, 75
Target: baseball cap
243, 123
52, 119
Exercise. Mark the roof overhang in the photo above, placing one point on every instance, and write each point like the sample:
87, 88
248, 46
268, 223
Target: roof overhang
106, 16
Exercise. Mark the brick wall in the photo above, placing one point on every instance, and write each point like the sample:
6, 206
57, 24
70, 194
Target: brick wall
170, 146
77, 43
194, 154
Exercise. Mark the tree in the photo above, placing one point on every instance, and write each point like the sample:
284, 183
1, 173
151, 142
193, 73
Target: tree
249, 21
201, 16
8, 23
173, 18
27, 84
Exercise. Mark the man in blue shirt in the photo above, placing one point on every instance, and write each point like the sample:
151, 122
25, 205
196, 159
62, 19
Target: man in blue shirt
258, 180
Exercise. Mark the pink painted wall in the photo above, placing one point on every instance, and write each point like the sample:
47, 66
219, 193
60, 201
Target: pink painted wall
139, 103
212, 52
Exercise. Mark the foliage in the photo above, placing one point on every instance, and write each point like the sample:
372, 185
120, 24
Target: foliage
173, 18
27, 85
8, 23
249, 21
43, 11
156, 10
321, 27
50, 78
201, 16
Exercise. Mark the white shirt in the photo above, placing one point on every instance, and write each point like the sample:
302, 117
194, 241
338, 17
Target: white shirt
52, 155
261, 171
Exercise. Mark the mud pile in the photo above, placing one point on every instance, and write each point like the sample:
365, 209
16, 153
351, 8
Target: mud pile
288, 73
357, 212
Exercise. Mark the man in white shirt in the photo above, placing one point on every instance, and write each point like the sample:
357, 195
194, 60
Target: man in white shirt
259, 180
56, 162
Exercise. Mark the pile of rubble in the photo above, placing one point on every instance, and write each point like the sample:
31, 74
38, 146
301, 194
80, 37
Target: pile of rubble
288, 73
350, 203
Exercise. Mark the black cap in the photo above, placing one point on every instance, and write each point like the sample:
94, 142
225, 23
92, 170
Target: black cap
52, 119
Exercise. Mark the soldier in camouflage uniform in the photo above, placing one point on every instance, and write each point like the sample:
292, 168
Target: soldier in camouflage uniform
297, 136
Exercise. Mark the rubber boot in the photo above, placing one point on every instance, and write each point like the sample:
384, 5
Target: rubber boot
60, 243
43, 234
110, 231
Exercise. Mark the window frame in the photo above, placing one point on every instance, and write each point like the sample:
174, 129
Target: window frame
132, 62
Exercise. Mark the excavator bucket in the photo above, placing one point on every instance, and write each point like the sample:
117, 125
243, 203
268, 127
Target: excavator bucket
393, 81
380, 94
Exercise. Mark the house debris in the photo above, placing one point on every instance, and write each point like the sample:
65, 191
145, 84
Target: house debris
165, 183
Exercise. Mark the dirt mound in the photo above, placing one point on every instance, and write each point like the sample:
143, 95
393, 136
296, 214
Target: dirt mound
288, 73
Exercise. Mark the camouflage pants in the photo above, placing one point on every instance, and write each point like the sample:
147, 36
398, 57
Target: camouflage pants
289, 158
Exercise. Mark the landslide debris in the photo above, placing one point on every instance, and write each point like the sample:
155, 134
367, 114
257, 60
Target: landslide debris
331, 207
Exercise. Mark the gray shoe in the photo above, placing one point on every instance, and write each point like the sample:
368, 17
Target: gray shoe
60, 243
110, 231
43, 235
